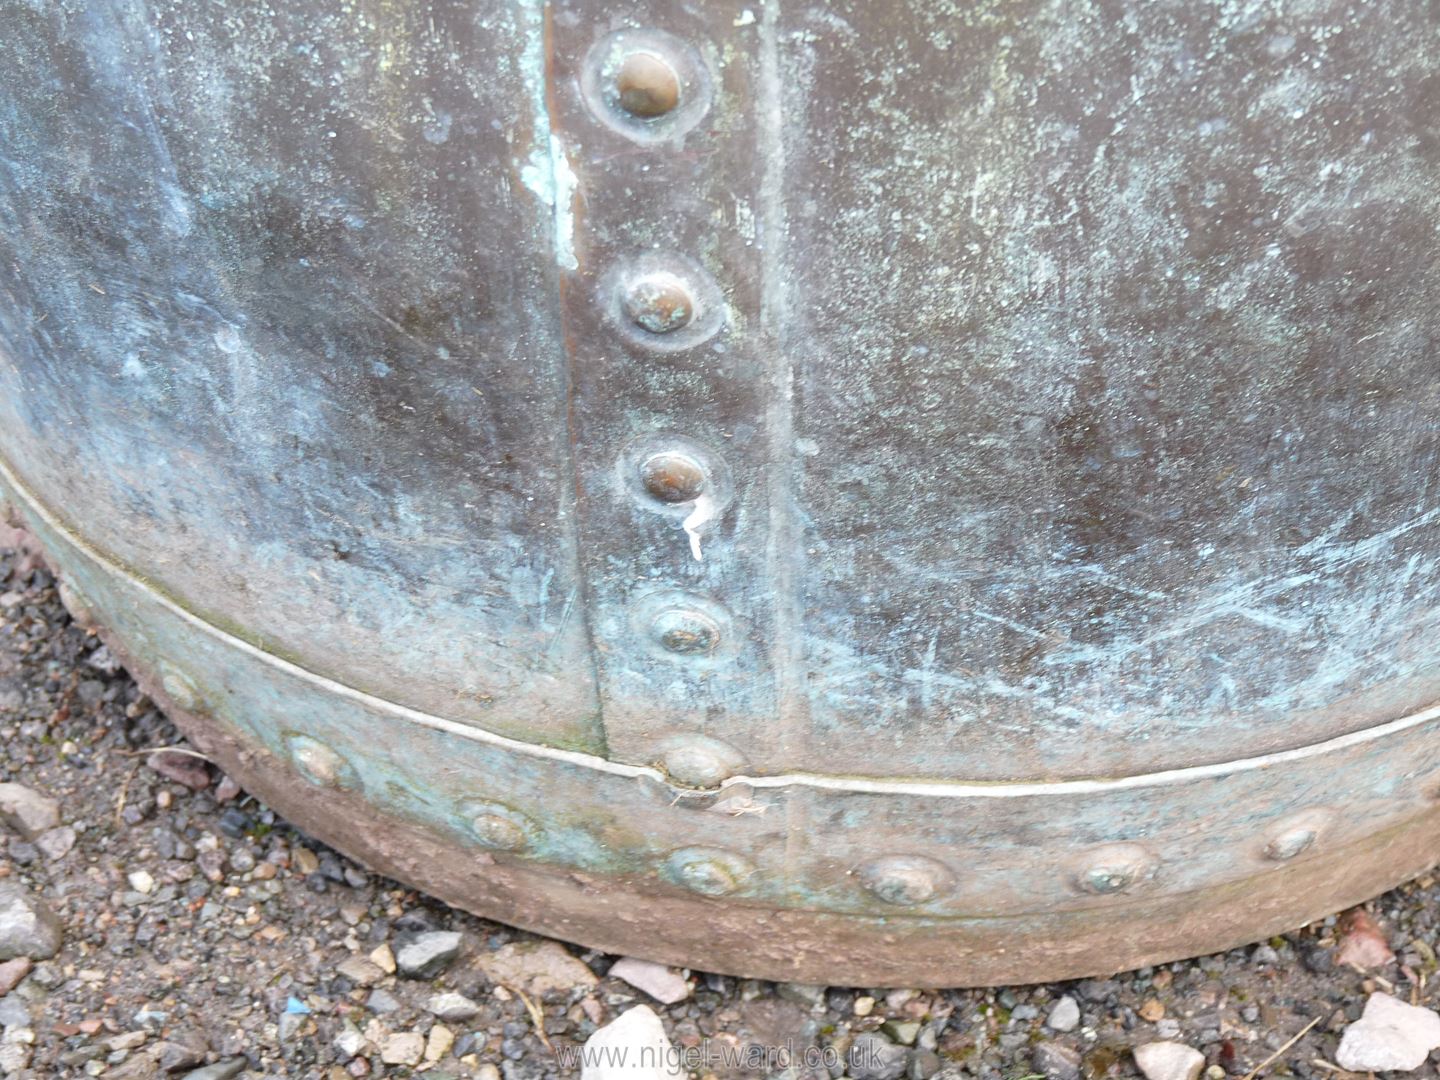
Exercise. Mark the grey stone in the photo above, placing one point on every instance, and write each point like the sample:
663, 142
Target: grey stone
27, 811
14, 1013
27, 926
924, 1064
1390, 1036
902, 1031
47, 976
425, 955
1064, 1015
1264, 955
382, 1001
56, 843
807, 994
221, 1070
1169, 1061
103, 661
176, 1055
291, 1023
1057, 1061
873, 1057
456, 1008
1098, 990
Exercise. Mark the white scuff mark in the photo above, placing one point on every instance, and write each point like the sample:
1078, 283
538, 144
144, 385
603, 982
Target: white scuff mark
547, 174
565, 183
551, 180
703, 513
745, 18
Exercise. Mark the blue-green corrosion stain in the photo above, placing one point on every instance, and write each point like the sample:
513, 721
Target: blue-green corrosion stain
547, 174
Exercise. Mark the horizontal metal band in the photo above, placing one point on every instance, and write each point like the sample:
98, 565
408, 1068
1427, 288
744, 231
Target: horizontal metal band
794, 843
921, 789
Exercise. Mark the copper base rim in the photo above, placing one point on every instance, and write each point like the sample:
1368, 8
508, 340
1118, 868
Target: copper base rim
627, 918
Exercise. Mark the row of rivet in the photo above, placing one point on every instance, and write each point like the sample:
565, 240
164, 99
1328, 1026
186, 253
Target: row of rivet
901, 880
668, 302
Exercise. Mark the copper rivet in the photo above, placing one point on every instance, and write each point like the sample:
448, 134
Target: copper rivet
707, 870
647, 85
317, 763
905, 880
179, 689
672, 477
1114, 869
1290, 844
686, 632
498, 827
659, 303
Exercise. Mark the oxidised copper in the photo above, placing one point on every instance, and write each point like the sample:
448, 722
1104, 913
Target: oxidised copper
1010, 558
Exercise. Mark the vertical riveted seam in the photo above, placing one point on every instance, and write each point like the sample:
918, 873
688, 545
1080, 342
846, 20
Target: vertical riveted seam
549, 177
783, 546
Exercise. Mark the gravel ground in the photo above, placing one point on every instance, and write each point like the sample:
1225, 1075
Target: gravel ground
204, 937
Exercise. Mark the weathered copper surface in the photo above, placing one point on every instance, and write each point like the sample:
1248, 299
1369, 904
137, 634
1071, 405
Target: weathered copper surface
859, 492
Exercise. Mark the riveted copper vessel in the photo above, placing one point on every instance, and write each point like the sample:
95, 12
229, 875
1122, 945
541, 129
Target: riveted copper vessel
906, 492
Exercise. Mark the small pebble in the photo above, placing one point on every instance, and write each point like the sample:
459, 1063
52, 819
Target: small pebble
27, 811
27, 926
1065, 1015
1169, 1061
403, 1048
141, 881
665, 985
633, 1046
1390, 1036
426, 955
452, 1007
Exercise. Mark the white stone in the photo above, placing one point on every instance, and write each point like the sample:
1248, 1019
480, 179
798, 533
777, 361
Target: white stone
1169, 1061
665, 985
350, 1042
1390, 1036
141, 881
633, 1046
403, 1048
1065, 1015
